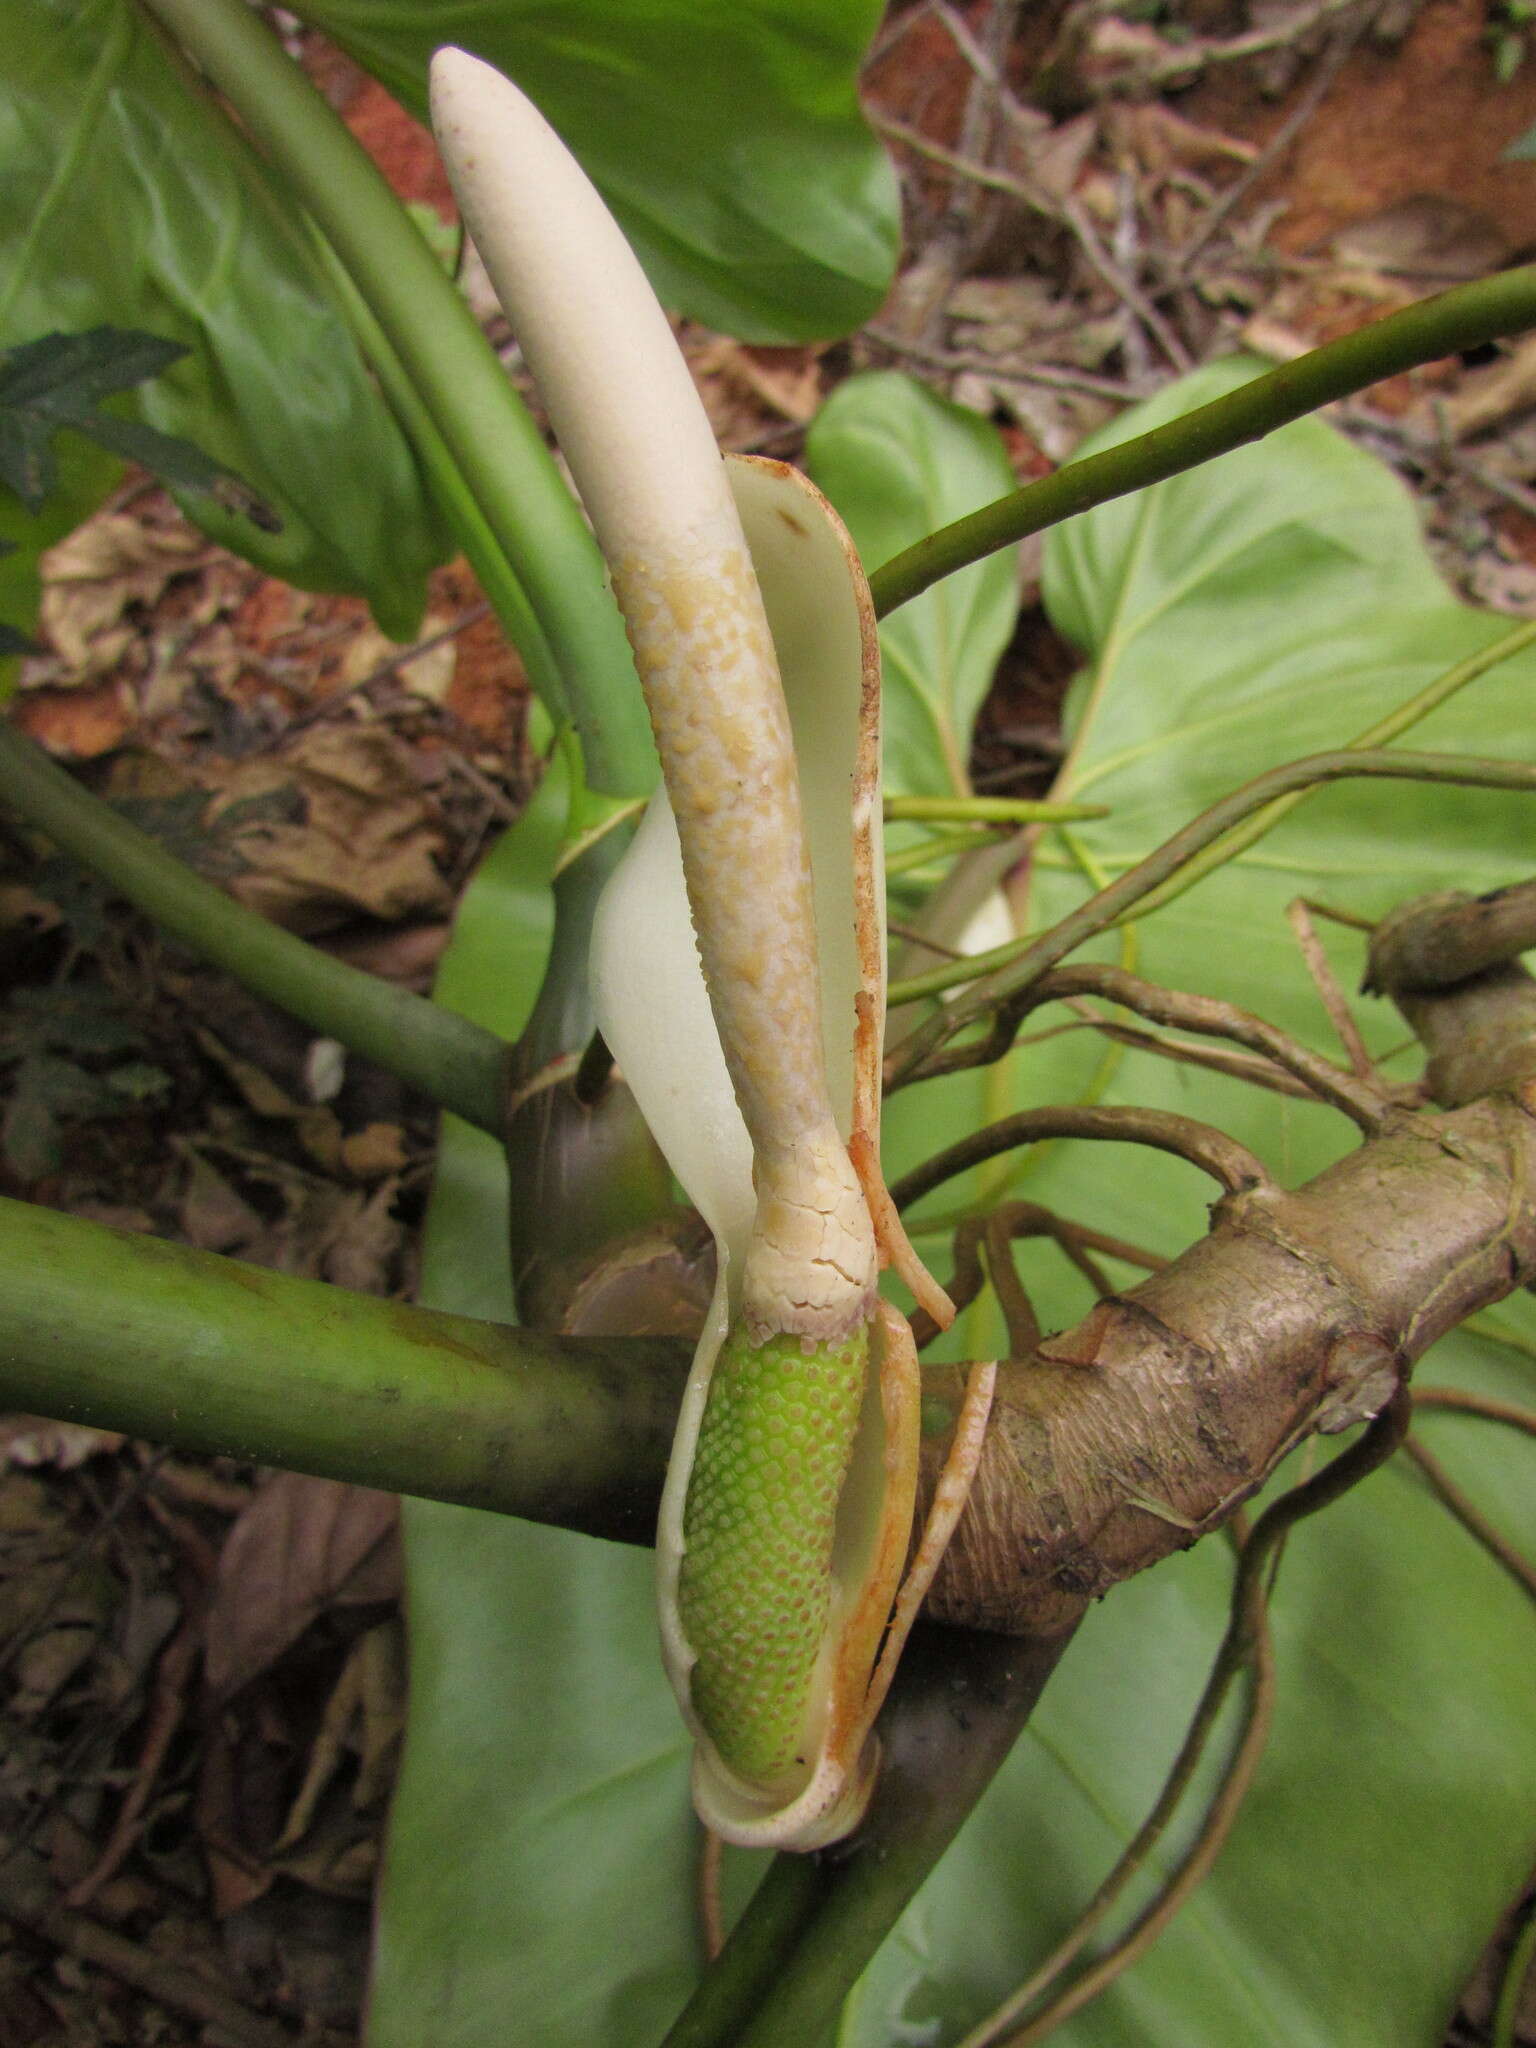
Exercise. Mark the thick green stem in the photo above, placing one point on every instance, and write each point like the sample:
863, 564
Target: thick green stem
129, 1332
454, 1062
485, 427
1471, 316
470, 528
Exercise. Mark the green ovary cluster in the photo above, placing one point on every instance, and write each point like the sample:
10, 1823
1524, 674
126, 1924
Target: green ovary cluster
772, 1454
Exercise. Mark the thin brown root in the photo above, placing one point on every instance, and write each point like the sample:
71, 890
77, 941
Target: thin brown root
1246, 1642
1472, 1518
896, 1248
1298, 916
707, 1892
949, 1499
1456, 1402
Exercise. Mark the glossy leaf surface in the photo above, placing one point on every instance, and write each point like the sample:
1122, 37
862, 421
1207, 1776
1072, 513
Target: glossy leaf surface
1270, 605
727, 140
898, 461
129, 199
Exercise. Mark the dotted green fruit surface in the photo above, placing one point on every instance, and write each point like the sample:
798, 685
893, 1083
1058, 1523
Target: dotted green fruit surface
772, 1453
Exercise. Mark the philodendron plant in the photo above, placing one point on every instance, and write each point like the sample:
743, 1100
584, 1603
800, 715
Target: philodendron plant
721, 974
739, 975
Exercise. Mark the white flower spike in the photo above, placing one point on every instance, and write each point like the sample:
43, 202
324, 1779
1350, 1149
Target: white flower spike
790, 1493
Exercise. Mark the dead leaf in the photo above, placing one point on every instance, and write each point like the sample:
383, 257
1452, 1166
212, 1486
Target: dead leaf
369, 841
373, 1151
33, 1440
95, 573
212, 1216
77, 725
1428, 236
363, 1254
428, 675
302, 1546
365, 1714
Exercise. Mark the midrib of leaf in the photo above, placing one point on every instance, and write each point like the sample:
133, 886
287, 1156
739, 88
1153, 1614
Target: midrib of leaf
939, 719
77, 142
1115, 642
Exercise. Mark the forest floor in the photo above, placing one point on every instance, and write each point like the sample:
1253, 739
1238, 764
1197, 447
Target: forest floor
202, 1664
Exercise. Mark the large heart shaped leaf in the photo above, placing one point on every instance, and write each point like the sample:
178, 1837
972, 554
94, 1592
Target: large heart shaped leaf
1272, 604
127, 199
727, 140
897, 461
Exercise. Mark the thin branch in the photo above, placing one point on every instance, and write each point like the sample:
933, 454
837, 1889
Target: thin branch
1008, 969
1003, 369
1317, 90
1468, 317
454, 1063
1231, 1164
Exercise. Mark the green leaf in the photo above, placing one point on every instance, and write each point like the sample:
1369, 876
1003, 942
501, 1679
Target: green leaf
727, 140
898, 461
1269, 605
59, 380
128, 198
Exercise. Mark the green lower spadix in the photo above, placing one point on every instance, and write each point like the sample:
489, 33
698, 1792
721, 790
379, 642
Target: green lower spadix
754, 1585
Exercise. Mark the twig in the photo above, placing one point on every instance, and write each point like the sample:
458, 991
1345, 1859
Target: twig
1318, 88
1003, 369
26, 1901
1362, 1101
167, 1705
1233, 1165
1472, 1518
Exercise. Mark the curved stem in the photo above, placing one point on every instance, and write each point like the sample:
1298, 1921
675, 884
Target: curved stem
131, 1333
1011, 968
484, 425
453, 1062
1468, 317
1232, 1164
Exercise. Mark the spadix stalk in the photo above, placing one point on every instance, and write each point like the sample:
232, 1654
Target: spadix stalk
640, 447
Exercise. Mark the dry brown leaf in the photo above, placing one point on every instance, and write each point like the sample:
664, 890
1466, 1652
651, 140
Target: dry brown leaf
428, 675
33, 1440
364, 1252
302, 1546
212, 1216
369, 841
93, 575
375, 1150
365, 1714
